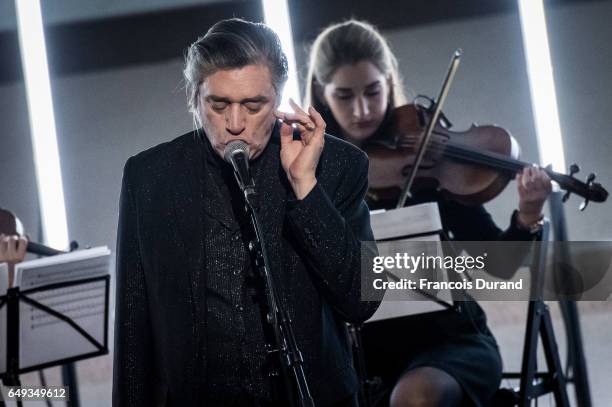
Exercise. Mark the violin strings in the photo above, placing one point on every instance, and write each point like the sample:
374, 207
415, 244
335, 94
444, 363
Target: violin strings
485, 158
491, 159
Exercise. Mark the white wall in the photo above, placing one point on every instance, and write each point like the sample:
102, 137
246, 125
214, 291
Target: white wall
102, 119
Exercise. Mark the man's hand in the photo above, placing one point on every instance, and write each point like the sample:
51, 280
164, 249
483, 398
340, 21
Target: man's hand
534, 187
300, 157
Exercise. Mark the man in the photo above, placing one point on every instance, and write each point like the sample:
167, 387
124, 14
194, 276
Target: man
189, 324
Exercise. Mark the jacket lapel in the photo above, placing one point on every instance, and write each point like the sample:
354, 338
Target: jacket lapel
191, 201
188, 196
215, 206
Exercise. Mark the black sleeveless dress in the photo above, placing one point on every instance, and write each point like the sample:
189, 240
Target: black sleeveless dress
457, 342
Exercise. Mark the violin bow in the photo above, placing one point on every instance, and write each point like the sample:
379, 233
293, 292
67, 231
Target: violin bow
437, 109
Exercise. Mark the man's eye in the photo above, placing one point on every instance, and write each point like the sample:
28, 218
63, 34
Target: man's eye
253, 106
373, 93
218, 106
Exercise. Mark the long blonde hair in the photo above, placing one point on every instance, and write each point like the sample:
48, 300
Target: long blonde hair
348, 43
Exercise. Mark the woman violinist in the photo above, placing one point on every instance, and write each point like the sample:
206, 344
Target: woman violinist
447, 358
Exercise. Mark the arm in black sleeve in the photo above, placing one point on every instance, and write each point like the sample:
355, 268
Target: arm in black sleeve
330, 234
476, 224
133, 361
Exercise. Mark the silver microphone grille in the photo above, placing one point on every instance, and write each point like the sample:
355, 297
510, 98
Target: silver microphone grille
233, 147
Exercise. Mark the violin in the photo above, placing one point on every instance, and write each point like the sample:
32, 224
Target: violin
470, 167
11, 225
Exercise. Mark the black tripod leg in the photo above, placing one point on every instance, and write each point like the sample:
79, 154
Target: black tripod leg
69, 377
553, 361
359, 360
570, 313
528, 368
12, 382
575, 352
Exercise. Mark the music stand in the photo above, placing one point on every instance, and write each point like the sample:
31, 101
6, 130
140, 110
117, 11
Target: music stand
534, 384
417, 222
15, 297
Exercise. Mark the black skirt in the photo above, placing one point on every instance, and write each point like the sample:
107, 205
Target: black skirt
457, 342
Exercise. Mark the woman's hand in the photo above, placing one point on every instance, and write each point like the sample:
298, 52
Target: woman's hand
12, 248
12, 251
300, 157
534, 187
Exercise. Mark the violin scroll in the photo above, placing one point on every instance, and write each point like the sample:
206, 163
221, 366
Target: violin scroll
590, 190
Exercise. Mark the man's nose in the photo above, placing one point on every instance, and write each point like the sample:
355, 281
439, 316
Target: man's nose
234, 120
360, 108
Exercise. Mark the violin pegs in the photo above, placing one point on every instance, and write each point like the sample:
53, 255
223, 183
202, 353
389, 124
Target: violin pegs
591, 178
565, 197
74, 245
573, 169
589, 183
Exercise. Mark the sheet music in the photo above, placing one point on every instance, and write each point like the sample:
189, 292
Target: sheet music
397, 225
406, 221
45, 338
418, 303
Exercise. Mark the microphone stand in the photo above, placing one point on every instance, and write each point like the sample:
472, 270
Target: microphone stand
287, 348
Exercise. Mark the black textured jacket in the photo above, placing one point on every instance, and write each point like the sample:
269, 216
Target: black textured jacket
160, 328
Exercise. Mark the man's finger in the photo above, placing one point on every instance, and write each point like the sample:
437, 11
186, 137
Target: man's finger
286, 134
299, 118
317, 118
305, 133
297, 108
292, 118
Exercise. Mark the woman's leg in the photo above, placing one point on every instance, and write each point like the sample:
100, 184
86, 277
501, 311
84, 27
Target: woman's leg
426, 387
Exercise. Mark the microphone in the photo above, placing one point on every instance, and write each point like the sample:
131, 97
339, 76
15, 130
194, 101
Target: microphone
236, 153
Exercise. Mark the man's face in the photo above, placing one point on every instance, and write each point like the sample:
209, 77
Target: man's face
238, 104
